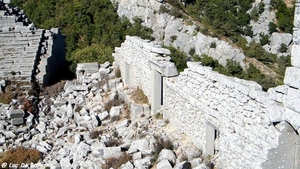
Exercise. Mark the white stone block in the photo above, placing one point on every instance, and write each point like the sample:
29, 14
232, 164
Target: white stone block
295, 52
292, 77
293, 118
292, 100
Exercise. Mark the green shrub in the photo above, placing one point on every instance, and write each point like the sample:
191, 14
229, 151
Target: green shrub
213, 45
179, 58
254, 14
173, 38
192, 51
264, 39
163, 9
283, 48
261, 7
272, 27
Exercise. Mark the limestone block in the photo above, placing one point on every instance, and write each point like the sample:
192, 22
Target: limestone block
96, 121
164, 164
17, 121
277, 39
103, 115
142, 163
42, 149
41, 127
112, 152
166, 154
18, 113
67, 84
82, 149
138, 145
183, 165
80, 88
292, 117
127, 165
297, 16
136, 110
292, 77
115, 111
59, 103
45, 145
296, 37
63, 152
65, 162
295, 52
61, 132
292, 99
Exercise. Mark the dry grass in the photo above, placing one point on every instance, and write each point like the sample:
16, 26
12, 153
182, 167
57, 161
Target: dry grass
12, 90
139, 97
117, 162
113, 142
6, 97
118, 72
112, 103
95, 134
20, 155
54, 90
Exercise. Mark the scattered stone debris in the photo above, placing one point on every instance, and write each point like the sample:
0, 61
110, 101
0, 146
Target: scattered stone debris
77, 131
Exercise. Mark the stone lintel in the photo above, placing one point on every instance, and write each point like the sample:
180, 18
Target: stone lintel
167, 69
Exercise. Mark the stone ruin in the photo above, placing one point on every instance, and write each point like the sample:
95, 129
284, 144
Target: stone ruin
232, 120
27, 53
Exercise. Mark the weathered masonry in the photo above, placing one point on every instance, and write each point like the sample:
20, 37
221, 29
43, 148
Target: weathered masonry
28, 53
224, 116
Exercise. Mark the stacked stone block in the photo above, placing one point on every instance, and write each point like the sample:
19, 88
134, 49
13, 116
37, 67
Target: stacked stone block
224, 116
17, 117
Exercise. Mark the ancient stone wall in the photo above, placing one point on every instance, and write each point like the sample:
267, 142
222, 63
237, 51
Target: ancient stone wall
142, 64
230, 119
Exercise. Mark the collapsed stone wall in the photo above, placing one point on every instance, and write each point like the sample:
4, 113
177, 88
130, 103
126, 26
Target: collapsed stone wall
229, 118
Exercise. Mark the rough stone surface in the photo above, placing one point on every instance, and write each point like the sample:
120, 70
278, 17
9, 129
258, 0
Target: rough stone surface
239, 110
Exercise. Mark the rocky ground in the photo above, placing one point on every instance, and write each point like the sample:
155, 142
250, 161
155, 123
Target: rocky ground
94, 123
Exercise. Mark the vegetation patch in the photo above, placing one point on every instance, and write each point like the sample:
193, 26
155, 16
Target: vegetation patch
116, 162
112, 103
139, 97
20, 155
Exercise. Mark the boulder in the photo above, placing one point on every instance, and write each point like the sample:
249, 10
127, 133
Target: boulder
138, 145
142, 163
103, 115
183, 165
41, 127
17, 121
166, 154
115, 111
112, 152
164, 164
127, 165
18, 113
